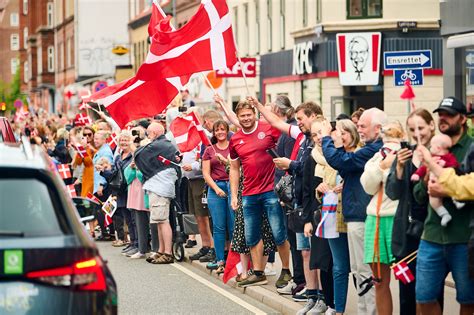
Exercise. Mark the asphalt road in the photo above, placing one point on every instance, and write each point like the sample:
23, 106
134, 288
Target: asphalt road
172, 289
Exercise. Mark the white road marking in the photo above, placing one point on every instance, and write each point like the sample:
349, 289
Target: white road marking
219, 290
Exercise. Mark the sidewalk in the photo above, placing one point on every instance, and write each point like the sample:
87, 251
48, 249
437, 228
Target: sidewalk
268, 295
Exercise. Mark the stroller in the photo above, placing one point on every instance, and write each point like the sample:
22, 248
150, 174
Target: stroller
182, 223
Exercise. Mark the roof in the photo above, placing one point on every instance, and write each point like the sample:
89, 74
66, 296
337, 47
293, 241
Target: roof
22, 156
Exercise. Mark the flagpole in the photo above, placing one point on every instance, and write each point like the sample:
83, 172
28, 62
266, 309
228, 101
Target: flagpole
241, 67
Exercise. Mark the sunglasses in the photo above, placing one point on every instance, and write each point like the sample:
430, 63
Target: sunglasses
88, 134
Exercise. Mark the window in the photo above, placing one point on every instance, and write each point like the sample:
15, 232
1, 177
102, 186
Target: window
25, 7
39, 54
363, 9
14, 42
305, 12
26, 72
319, 11
32, 215
25, 37
257, 22
49, 14
269, 24
282, 24
246, 29
15, 62
14, 19
50, 59
69, 52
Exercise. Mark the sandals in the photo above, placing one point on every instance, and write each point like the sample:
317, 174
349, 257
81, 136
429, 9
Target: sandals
153, 257
163, 259
118, 243
220, 269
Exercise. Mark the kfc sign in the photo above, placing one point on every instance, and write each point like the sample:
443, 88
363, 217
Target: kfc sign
248, 65
359, 58
301, 58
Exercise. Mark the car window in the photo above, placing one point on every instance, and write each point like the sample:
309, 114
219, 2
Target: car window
1, 136
26, 207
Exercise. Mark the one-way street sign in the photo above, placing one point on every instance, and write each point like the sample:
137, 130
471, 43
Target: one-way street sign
407, 59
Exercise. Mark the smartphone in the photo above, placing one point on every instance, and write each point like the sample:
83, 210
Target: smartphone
333, 125
406, 145
182, 109
273, 153
135, 133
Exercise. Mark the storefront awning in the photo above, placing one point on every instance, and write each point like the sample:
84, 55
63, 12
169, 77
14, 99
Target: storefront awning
458, 41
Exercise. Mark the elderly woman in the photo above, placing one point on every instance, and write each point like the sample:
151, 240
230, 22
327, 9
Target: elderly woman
122, 214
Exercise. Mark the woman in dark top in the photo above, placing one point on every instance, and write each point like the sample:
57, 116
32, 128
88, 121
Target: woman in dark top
409, 217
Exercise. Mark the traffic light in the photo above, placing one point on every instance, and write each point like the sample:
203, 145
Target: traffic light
3, 106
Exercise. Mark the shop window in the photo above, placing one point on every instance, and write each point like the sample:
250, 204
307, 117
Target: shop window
364, 9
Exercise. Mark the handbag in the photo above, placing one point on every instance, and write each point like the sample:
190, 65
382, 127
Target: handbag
415, 228
295, 220
284, 189
117, 181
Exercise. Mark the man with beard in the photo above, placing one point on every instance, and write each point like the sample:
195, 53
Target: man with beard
444, 249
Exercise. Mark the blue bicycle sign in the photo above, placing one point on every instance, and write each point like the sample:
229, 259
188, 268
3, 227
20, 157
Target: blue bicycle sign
414, 75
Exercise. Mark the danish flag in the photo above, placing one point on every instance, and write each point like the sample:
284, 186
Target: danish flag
206, 42
82, 120
403, 273
164, 160
71, 191
188, 132
93, 198
65, 171
112, 140
21, 114
81, 151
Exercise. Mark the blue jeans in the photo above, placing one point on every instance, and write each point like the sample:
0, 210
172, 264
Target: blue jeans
435, 261
222, 217
340, 270
254, 206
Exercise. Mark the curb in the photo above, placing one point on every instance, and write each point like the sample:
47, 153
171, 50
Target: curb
262, 294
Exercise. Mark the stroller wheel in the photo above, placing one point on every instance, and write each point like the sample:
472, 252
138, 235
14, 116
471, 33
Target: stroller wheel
178, 251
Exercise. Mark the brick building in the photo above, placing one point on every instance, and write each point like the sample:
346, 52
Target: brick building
9, 39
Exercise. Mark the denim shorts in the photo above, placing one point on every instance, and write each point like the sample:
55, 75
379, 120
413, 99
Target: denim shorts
302, 242
254, 206
434, 262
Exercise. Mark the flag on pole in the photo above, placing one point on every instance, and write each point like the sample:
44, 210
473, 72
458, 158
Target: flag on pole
403, 273
205, 43
112, 140
186, 133
64, 171
164, 160
202, 134
71, 190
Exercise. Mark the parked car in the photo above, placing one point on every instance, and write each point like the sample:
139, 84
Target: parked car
51, 265
6, 131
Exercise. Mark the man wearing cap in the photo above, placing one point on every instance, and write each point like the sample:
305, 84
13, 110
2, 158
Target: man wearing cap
444, 249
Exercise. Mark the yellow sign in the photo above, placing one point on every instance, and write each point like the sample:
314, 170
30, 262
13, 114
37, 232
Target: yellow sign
120, 50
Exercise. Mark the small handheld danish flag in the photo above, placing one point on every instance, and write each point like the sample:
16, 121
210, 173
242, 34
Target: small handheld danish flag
164, 160
81, 151
64, 170
82, 120
403, 273
71, 191
93, 198
112, 141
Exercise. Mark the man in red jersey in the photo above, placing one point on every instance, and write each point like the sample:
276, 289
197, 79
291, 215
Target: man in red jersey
248, 149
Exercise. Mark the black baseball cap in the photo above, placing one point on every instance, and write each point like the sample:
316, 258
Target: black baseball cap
452, 105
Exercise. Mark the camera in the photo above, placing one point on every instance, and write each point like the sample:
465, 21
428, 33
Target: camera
333, 125
182, 109
135, 133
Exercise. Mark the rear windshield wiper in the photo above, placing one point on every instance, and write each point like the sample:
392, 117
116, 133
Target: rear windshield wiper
12, 233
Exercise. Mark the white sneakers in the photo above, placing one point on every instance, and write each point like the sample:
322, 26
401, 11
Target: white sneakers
286, 290
269, 270
138, 255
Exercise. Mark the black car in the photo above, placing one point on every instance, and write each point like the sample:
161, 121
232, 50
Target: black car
48, 262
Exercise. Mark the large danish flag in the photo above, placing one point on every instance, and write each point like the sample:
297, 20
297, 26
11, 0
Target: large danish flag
188, 132
206, 42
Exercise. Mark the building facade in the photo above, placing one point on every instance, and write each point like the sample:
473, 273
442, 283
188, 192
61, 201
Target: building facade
10, 39
458, 35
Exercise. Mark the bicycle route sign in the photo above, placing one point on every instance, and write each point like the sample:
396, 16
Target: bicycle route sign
411, 59
415, 76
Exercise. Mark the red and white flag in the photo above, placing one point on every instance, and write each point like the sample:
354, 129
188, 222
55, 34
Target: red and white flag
186, 133
205, 43
133, 98
71, 191
112, 141
403, 273
21, 115
82, 120
233, 266
93, 198
65, 171
205, 140
81, 151
164, 160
